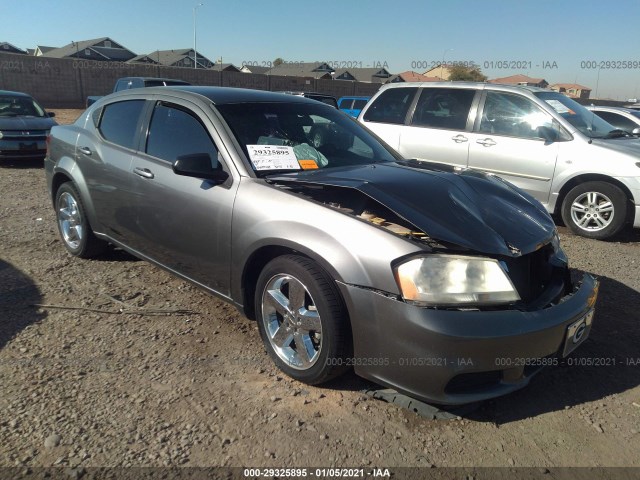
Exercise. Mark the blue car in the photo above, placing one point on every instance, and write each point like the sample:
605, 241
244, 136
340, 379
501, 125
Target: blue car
352, 105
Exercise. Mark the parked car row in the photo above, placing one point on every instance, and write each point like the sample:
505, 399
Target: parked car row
575, 163
433, 280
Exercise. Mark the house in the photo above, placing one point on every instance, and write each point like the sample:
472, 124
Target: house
40, 50
522, 80
442, 71
144, 58
410, 76
6, 47
178, 58
315, 70
102, 49
225, 67
369, 75
572, 90
254, 69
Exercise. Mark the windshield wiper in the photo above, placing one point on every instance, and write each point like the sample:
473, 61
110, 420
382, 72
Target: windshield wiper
617, 133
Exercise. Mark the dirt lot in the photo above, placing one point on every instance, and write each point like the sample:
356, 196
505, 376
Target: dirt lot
87, 389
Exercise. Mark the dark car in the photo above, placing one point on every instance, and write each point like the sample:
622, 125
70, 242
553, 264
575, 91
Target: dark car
446, 284
127, 83
24, 126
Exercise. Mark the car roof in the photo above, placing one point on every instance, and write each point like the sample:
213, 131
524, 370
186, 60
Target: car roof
14, 94
611, 109
224, 95
501, 86
160, 79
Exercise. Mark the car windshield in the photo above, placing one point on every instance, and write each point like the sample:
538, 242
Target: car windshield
18, 106
281, 137
584, 120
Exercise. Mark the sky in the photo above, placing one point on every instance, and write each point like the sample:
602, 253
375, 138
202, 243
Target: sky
562, 41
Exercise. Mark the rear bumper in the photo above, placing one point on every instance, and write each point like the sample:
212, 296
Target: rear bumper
456, 357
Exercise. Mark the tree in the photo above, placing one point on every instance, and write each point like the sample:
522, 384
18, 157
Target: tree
278, 61
462, 73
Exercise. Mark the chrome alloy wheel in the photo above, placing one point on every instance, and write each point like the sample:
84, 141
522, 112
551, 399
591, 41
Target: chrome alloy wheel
592, 211
70, 220
292, 321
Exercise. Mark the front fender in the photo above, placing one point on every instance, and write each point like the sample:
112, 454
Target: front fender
351, 250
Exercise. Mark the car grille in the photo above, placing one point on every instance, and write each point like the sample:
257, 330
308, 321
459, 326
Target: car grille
531, 274
24, 134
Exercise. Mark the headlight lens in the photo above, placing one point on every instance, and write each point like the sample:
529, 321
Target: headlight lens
455, 280
1, 135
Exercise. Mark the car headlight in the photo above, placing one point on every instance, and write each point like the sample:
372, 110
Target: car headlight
455, 280
1, 135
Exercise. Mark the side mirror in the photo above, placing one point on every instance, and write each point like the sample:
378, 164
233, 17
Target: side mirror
198, 165
549, 134
636, 132
51, 114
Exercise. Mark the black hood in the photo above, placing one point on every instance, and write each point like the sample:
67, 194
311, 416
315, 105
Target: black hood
467, 208
26, 123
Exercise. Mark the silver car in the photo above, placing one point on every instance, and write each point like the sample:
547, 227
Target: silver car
446, 285
626, 119
576, 164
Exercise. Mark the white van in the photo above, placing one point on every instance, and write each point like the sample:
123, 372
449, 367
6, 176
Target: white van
572, 161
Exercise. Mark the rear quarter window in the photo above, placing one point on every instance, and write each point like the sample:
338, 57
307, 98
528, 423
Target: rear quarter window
119, 122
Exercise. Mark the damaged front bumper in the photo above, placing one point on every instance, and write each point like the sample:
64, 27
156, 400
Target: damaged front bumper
453, 357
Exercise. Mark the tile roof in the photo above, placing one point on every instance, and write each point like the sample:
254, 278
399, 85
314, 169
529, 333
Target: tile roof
570, 85
410, 76
310, 69
115, 52
515, 79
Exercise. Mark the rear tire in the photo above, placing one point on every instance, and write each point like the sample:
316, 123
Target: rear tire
596, 210
302, 320
73, 225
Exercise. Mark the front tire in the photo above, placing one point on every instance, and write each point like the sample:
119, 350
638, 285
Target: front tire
302, 320
73, 225
596, 210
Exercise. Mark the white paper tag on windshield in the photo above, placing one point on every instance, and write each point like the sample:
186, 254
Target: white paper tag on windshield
558, 106
273, 157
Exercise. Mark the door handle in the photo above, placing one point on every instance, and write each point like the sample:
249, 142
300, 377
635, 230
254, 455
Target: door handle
84, 150
143, 172
459, 138
487, 142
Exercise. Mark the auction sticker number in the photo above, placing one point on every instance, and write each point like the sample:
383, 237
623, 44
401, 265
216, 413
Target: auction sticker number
273, 157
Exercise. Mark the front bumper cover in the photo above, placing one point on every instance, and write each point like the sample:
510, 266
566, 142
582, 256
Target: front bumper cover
456, 356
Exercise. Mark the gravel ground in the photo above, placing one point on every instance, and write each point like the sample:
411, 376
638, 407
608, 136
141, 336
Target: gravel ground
195, 387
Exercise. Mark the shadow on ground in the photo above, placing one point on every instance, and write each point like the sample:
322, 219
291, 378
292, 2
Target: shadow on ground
606, 364
17, 295
22, 163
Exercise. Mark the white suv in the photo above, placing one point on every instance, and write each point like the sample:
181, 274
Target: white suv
572, 161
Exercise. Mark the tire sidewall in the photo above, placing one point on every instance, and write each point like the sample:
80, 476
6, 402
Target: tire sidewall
71, 190
329, 355
617, 197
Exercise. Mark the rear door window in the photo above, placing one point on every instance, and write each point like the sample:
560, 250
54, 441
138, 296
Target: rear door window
391, 106
359, 104
345, 103
446, 108
119, 122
